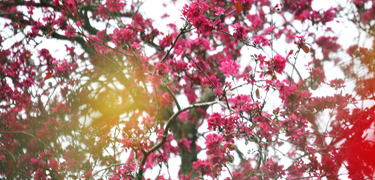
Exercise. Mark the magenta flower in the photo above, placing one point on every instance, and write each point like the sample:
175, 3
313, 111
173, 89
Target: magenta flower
229, 68
115, 5
71, 32
122, 35
239, 32
260, 40
269, 30
279, 63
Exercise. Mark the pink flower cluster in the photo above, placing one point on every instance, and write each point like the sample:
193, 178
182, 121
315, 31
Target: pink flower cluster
261, 40
204, 167
165, 100
71, 32
272, 169
329, 45
65, 68
226, 123
229, 68
115, 5
194, 13
239, 32
337, 83
120, 36
316, 16
256, 21
70, 5
279, 63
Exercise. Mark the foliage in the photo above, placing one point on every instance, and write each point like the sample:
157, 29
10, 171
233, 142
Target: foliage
125, 87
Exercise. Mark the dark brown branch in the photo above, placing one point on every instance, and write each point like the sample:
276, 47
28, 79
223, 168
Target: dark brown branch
165, 134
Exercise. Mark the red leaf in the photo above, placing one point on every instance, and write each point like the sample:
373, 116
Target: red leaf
257, 93
10, 163
310, 117
301, 84
297, 94
251, 128
59, 175
48, 75
169, 37
76, 15
238, 6
189, 175
73, 176
215, 168
305, 48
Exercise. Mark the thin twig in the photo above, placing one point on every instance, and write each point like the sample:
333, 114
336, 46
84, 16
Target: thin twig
165, 134
203, 73
173, 96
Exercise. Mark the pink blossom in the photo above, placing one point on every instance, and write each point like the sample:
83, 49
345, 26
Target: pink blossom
256, 21
185, 143
229, 68
87, 175
165, 15
197, 18
182, 116
218, 92
203, 167
190, 94
218, 11
279, 63
200, 43
61, 22
135, 45
53, 164
39, 174
214, 120
71, 32
165, 100
328, 44
301, 40
260, 40
337, 83
305, 15
71, 5
79, 24
272, 169
35, 29
70, 50
122, 35
228, 123
127, 142
269, 30
239, 32
103, 11
328, 16
162, 68
179, 66
115, 5
65, 68
60, 108
214, 79
352, 50
212, 143
166, 41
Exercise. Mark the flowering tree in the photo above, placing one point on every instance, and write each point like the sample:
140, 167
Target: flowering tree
125, 88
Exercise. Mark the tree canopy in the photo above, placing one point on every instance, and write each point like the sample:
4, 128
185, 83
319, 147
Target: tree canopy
233, 89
